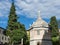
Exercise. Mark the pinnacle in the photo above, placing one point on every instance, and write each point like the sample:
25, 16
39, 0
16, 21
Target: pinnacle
39, 17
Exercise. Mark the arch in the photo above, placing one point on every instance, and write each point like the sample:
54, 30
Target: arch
38, 43
6, 43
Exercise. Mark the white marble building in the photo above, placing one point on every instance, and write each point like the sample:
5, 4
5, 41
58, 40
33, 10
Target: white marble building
39, 32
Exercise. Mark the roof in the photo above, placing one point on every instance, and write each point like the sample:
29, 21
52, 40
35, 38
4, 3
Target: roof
39, 22
2, 28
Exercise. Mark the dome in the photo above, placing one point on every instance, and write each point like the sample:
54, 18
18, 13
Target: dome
39, 22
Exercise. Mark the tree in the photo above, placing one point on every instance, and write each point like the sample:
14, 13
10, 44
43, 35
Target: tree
12, 18
17, 35
25, 38
54, 26
55, 30
15, 30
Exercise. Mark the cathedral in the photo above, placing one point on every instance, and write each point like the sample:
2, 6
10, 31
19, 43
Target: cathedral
39, 32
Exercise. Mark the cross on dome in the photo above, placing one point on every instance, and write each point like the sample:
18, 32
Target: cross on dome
39, 15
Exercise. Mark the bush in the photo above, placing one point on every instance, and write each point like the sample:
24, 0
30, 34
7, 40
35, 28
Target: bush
55, 40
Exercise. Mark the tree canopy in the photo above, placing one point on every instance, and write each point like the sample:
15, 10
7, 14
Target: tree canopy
15, 30
54, 26
55, 30
12, 18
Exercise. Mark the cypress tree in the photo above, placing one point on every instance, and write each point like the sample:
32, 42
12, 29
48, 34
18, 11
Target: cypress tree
15, 27
12, 18
55, 31
54, 26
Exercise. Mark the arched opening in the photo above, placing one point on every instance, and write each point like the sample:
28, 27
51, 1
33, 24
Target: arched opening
1, 43
6, 44
38, 43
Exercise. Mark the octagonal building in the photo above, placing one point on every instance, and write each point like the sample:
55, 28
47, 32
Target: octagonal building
39, 32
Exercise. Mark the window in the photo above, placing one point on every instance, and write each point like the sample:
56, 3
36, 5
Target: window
38, 32
8, 39
5, 38
46, 31
2, 37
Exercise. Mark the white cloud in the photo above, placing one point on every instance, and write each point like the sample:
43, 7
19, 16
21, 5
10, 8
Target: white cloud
4, 8
30, 8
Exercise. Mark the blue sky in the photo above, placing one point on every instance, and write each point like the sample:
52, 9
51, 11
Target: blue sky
27, 10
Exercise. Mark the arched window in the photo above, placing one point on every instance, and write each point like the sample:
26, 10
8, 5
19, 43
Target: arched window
38, 43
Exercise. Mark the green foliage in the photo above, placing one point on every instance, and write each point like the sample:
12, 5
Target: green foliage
25, 38
17, 35
12, 18
54, 26
8, 33
15, 30
54, 39
55, 31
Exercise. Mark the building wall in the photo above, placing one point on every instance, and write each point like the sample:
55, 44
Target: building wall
34, 33
3, 38
28, 34
35, 37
